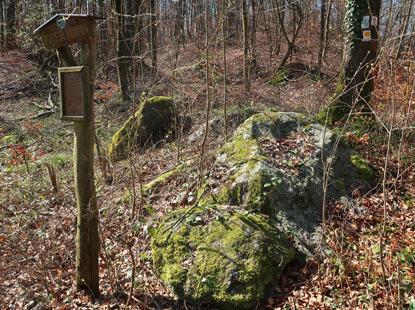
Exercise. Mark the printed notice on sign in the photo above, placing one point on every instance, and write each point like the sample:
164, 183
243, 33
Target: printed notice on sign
365, 22
374, 21
366, 35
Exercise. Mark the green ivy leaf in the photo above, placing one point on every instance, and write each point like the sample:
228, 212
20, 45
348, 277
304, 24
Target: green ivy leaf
150, 209
152, 231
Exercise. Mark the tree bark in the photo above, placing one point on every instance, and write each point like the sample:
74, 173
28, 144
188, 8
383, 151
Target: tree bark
225, 69
326, 29
1, 26
123, 55
253, 60
297, 23
355, 83
10, 40
208, 102
323, 10
153, 39
244, 17
409, 4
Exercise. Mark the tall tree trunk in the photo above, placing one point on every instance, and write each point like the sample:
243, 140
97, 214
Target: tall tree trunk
123, 54
1, 26
178, 30
208, 102
133, 25
326, 29
253, 60
389, 23
355, 83
297, 22
225, 69
322, 30
10, 40
153, 39
244, 17
409, 4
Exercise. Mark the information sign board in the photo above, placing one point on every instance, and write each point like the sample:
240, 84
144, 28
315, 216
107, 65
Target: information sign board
72, 93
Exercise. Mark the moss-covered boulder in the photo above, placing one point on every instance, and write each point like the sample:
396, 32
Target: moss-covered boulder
150, 123
220, 255
274, 164
266, 187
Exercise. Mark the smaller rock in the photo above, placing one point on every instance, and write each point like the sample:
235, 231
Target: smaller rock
149, 124
226, 257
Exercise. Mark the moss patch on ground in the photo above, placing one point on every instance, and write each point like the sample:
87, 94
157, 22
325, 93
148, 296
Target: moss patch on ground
166, 177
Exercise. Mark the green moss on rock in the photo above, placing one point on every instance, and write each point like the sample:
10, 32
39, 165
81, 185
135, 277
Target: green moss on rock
280, 77
166, 177
150, 122
363, 170
229, 259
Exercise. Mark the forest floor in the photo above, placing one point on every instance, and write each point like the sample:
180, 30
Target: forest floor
38, 220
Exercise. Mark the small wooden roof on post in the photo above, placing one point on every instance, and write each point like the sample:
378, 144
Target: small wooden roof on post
65, 29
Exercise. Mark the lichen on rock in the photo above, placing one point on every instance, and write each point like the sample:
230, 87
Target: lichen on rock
151, 121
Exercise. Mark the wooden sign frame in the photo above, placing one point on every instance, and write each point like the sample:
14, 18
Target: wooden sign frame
73, 93
65, 29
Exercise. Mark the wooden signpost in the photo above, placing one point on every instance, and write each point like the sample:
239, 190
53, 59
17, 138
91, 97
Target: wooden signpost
76, 88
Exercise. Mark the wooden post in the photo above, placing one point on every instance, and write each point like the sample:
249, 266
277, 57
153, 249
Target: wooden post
87, 239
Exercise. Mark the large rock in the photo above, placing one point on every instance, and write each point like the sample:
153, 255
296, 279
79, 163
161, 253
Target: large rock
265, 187
150, 123
274, 164
214, 254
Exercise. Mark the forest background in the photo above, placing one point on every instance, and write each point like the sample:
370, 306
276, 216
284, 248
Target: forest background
219, 60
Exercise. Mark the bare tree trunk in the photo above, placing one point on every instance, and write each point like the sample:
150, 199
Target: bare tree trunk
326, 29
409, 4
123, 55
297, 22
389, 23
153, 39
244, 17
253, 60
133, 25
208, 103
322, 30
10, 40
178, 30
1, 26
225, 73
277, 14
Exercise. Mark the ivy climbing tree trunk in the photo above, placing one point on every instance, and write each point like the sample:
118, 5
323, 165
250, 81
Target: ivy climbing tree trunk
355, 83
